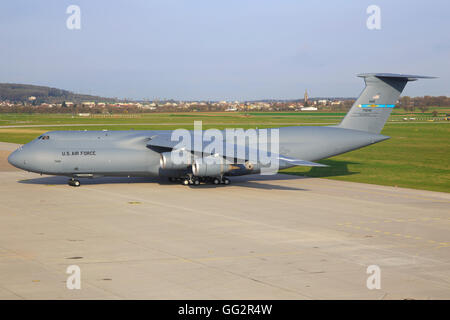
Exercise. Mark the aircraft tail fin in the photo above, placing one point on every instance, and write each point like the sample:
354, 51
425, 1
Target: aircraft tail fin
373, 107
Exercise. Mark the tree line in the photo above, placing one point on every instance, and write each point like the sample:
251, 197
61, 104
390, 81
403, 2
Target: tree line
423, 103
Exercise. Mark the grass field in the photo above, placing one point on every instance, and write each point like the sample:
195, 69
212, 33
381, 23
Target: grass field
417, 155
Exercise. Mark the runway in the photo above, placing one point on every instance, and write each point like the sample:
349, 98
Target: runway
262, 237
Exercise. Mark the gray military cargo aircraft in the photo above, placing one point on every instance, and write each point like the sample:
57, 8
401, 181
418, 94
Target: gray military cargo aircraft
90, 154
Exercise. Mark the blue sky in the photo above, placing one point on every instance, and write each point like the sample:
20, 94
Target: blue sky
234, 49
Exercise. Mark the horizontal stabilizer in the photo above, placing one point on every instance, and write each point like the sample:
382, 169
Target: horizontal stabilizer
409, 77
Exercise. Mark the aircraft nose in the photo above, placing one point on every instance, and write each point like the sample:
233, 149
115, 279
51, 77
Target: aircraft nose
17, 159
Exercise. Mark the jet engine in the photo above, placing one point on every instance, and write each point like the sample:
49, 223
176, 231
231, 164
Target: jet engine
210, 167
179, 159
249, 165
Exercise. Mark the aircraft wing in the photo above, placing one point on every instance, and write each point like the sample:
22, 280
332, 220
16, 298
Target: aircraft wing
299, 162
165, 141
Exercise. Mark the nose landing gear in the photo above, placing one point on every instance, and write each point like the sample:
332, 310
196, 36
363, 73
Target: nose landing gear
74, 183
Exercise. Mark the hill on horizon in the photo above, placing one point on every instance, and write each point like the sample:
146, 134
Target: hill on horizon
16, 92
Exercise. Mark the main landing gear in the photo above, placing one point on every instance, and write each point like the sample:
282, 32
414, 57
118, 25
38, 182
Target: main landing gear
74, 183
221, 180
190, 180
193, 180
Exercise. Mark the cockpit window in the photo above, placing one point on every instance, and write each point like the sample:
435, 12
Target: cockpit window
43, 137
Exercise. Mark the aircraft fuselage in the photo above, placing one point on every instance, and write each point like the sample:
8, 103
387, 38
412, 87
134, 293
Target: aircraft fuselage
125, 153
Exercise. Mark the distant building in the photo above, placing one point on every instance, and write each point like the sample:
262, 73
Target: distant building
89, 104
306, 98
308, 109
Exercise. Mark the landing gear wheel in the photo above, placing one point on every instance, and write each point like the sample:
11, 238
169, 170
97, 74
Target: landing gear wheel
74, 183
185, 181
216, 181
196, 181
226, 181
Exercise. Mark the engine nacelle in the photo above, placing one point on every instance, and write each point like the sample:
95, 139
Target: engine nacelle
179, 159
253, 167
210, 167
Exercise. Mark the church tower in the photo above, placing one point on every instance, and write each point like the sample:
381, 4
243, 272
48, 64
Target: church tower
306, 98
